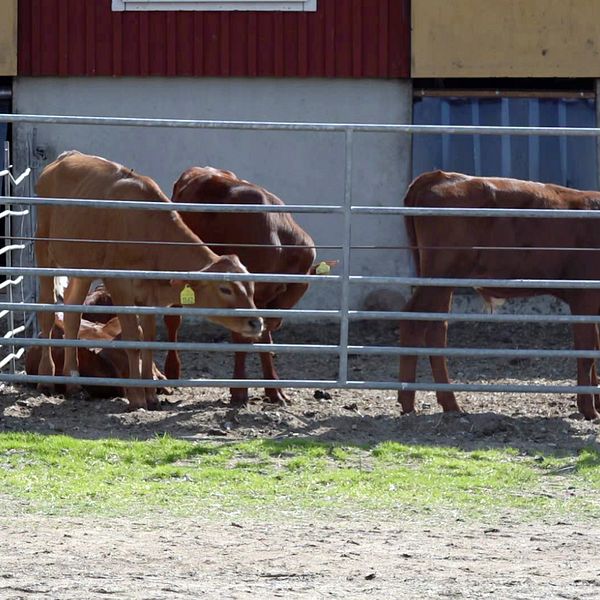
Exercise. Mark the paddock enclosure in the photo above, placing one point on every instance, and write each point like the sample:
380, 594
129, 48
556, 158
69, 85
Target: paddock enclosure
342, 346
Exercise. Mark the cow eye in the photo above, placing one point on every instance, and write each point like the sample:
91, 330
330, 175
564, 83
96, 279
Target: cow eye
225, 290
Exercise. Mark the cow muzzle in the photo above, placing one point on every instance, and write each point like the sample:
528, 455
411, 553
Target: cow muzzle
254, 327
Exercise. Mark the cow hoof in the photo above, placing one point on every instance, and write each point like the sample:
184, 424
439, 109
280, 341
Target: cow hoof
237, 403
590, 415
153, 403
276, 396
77, 393
45, 388
239, 398
586, 406
406, 409
452, 409
72, 389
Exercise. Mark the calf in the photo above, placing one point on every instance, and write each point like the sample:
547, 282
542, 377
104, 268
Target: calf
105, 362
103, 238
93, 362
499, 248
266, 243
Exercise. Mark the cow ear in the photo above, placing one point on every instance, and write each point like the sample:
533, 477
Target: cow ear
177, 283
226, 263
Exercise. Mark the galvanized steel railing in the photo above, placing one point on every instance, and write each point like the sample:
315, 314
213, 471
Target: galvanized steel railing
344, 315
8, 250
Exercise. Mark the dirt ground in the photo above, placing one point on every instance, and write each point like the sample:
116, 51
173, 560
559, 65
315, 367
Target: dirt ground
350, 556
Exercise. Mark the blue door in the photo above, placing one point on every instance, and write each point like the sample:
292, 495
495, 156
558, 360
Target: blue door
570, 161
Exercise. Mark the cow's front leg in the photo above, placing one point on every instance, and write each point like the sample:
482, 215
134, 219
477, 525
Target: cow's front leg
267, 361
131, 331
148, 323
172, 362
239, 395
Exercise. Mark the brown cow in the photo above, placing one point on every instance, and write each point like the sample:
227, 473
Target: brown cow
99, 362
93, 362
455, 247
129, 238
286, 248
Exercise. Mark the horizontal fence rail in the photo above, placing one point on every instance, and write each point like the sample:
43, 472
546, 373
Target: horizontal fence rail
314, 348
302, 208
346, 211
550, 284
188, 275
288, 126
179, 206
327, 314
307, 383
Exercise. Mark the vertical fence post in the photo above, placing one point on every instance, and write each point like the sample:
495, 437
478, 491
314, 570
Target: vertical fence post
8, 242
347, 240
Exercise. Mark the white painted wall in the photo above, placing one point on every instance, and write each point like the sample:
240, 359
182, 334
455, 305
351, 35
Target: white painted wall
300, 167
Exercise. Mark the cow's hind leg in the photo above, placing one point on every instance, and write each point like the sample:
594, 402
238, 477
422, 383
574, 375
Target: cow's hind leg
586, 338
122, 295
420, 333
436, 336
412, 334
594, 371
75, 294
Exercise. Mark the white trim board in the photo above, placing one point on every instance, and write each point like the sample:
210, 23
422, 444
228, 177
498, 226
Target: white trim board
223, 5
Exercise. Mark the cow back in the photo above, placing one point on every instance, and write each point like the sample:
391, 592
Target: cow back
286, 247
501, 247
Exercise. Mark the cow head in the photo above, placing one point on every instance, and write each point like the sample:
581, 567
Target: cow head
225, 294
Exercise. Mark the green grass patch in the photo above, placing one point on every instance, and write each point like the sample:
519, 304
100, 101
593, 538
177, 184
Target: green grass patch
63, 475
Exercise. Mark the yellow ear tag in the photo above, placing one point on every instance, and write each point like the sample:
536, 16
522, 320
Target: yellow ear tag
323, 268
187, 295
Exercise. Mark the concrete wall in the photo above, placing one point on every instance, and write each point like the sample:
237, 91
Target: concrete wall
300, 167
505, 38
8, 37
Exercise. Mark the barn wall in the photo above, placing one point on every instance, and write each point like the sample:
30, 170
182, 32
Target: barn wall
8, 37
343, 38
506, 38
300, 167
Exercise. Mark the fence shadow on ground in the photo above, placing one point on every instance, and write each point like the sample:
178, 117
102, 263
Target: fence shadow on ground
209, 417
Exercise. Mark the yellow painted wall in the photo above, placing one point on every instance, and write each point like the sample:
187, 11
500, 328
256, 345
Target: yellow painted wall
505, 38
8, 37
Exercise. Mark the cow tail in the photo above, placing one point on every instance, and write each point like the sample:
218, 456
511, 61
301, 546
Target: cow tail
409, 221
61, 283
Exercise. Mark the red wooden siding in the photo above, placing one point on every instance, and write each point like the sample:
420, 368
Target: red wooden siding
343, 38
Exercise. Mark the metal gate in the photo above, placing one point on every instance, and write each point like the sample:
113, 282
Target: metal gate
346, 211
12, 255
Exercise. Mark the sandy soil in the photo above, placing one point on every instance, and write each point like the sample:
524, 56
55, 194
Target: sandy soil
351, 556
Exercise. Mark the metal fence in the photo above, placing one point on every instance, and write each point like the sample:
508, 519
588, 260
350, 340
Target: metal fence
344, 315
12, 253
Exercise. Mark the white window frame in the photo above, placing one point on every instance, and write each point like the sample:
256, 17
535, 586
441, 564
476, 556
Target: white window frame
223, 5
